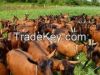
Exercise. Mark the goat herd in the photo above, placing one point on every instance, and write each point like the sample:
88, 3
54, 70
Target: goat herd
19, 56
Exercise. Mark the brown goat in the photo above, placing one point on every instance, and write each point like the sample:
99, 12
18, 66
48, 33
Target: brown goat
69, 48
96, 57
3, 69
95, 34
19, 65
23, 66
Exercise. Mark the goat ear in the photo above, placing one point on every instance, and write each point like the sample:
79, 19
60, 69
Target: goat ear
15, 18
61, 66
31, 61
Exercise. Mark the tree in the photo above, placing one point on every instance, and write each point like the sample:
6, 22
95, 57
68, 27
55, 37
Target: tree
41, 1
48, 1
26, 0
34, 1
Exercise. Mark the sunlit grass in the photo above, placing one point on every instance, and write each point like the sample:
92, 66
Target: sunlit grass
34, 13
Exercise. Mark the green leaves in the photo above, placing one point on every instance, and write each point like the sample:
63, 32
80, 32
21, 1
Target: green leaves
58, 2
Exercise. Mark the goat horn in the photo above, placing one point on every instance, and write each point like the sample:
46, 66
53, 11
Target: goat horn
52, 54
74, 62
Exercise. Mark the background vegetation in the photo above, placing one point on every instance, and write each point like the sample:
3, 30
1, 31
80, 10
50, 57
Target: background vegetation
8, 11
58, 2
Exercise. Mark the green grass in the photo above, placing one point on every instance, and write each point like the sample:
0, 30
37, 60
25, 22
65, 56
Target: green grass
89, 70
35, 12
9, 10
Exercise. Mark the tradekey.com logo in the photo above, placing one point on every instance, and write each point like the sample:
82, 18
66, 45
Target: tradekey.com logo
52, 37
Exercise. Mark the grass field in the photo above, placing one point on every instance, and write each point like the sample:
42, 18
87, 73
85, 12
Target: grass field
8, 11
